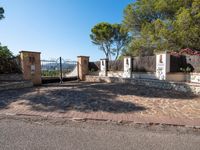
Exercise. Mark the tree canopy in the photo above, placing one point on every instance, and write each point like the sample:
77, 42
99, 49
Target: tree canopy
4, 51
1, 13
110, 38
159, 25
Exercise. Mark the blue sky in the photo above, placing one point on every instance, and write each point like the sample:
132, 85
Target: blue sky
57, 27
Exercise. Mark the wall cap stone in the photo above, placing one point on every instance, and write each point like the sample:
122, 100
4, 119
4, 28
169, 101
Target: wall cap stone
84, 56
29, 52
163, 52
127, 56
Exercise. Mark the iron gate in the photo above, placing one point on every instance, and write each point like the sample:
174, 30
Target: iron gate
59, 68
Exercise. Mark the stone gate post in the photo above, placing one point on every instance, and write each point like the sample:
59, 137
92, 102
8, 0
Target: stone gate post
103, 67
83, 62
31, 66
127, 67
162, 65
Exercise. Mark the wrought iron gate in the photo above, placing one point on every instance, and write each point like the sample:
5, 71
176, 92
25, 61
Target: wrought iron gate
59, 68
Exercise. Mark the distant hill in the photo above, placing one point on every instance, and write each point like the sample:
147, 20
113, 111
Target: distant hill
53, 65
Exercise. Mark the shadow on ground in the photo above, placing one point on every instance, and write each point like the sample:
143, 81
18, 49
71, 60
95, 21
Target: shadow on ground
129, 89
84, 97
65, 99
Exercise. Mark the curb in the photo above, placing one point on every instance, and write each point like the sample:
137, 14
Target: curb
122, 122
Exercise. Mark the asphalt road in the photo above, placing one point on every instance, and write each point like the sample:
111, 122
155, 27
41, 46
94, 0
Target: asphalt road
43, 135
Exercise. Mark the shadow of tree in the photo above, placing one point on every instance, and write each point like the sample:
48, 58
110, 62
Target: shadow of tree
129, 89
85, 97
65, 99
142, 91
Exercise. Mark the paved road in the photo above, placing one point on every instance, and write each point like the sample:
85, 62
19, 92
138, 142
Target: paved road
37, 135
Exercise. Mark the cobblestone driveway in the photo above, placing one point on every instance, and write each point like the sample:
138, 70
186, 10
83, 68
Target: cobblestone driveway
99, 100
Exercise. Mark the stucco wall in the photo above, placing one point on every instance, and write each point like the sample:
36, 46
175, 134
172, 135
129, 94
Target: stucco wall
31, 66
176, 77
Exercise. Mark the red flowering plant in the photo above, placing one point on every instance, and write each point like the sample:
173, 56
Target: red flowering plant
185, 66
189, 52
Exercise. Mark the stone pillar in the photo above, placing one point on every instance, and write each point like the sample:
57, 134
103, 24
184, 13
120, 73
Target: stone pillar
127, 67
83, 62
162, 65
31, 66
103, 67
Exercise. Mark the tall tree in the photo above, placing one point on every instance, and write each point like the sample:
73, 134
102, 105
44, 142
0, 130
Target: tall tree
5, 52
158, 25
110, 38
121, 39
1, 13
102, 36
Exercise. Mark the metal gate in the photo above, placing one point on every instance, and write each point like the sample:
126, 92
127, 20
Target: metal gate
59, 69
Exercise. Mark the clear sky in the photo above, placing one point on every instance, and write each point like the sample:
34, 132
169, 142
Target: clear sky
57, 27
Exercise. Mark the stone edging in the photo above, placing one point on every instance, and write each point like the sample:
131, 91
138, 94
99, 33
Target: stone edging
16, 85
136, 120
177, 86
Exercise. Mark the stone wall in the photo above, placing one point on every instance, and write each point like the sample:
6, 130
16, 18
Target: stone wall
11, 77
15, 85
96, 73
144, 75
118, 74
194, 77
161, 84
134, 75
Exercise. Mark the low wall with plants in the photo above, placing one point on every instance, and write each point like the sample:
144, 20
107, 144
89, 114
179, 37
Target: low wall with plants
181, 68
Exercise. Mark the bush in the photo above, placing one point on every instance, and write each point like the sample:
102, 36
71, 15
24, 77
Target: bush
5, 52
9, 65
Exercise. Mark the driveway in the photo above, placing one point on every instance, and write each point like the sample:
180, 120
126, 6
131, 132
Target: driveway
105, 101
